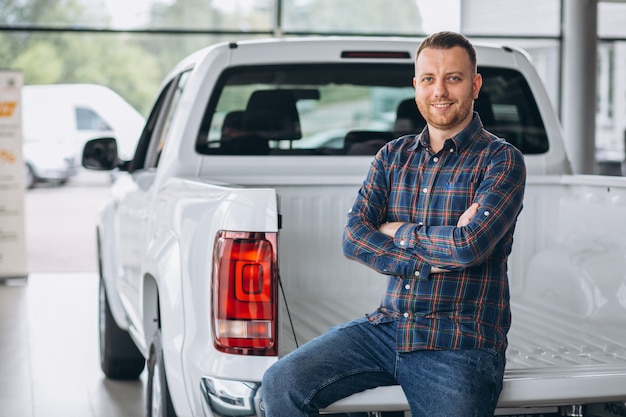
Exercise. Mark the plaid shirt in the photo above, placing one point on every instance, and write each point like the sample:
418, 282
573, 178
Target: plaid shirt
467, 307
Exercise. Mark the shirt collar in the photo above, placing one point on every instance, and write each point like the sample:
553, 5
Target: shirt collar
458, 142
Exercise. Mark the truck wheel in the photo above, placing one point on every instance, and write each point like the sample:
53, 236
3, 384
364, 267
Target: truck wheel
158, 401
119, 357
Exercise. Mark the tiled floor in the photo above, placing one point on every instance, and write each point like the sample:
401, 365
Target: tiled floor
49, 365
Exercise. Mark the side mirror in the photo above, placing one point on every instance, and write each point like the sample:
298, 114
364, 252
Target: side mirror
100, 154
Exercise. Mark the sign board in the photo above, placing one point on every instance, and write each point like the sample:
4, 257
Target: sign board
13, 257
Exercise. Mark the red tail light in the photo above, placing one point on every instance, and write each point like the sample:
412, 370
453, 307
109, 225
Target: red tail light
245, 293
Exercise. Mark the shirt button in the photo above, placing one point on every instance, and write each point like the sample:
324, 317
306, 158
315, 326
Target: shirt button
406, 315
407, 287
486, 213
417, 273
451, 150
424, 190
420, 223
435, 159
402, 243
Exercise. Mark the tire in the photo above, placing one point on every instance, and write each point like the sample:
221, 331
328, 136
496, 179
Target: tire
119, 357
158, 400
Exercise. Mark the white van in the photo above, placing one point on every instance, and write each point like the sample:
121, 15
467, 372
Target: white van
57, 120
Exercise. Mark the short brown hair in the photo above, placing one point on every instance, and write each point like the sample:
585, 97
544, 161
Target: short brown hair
447, 40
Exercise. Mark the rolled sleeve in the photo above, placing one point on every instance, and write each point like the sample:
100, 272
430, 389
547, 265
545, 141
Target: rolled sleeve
406, 236
409, 269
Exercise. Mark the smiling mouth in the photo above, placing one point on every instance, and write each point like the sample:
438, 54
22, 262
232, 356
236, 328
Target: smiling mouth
441, 106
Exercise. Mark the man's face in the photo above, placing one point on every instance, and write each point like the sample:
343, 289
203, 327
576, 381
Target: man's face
445, 88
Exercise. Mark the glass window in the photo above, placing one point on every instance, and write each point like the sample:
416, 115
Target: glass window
346, 109
611, 19
356, 16
157, 128
507, 109
302, 109
515, 17
178, 91
164, 123
87, 119
605, 98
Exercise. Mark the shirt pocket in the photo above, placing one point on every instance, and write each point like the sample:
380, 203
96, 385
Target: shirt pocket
456, 197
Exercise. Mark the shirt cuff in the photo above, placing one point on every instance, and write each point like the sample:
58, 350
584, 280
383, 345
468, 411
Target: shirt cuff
405, 237
423, 272
418, 270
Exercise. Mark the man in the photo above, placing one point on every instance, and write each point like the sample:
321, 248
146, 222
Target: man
436, 213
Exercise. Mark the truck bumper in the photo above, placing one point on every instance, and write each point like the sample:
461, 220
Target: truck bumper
230, 398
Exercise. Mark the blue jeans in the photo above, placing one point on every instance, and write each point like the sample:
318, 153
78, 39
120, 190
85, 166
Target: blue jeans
359, 355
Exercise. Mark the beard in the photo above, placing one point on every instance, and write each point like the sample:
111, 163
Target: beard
455, 116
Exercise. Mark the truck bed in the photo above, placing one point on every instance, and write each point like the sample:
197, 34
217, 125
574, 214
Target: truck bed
568, 290
558, 358
553, 358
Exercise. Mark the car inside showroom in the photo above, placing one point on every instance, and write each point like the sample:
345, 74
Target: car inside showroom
177, 181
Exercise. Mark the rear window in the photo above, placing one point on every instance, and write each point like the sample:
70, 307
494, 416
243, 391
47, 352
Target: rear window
346, 109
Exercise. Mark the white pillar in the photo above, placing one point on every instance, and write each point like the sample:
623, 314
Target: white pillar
579, 82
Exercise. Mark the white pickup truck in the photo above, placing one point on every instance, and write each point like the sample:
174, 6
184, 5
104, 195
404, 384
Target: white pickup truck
220, 249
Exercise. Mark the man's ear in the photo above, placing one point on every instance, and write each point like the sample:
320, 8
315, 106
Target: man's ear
477, 84
414, 82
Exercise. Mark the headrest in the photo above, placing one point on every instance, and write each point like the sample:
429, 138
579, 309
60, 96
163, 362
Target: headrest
408, 118
272, 114
232, 126
365, 142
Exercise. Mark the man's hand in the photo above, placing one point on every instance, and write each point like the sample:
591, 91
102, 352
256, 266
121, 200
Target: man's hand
391, 228
466, 217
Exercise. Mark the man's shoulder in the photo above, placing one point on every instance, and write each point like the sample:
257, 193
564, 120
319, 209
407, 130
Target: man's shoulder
495, 143
405, 140
405, 143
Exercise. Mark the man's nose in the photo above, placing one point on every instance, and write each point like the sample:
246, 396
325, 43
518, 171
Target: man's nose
440, 89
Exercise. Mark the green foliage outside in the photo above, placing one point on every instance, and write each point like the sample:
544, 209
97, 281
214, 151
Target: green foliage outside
134, 63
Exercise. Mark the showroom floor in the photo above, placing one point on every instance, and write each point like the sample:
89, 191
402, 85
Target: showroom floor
49, 361
49, 352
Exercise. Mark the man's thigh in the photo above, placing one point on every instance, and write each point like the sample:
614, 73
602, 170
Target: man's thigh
347, 359
463, 383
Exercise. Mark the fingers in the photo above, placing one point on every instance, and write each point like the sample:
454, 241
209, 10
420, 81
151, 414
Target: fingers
466, 217
390, 228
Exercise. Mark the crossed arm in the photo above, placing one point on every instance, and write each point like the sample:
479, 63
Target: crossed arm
407, 249
390, 228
